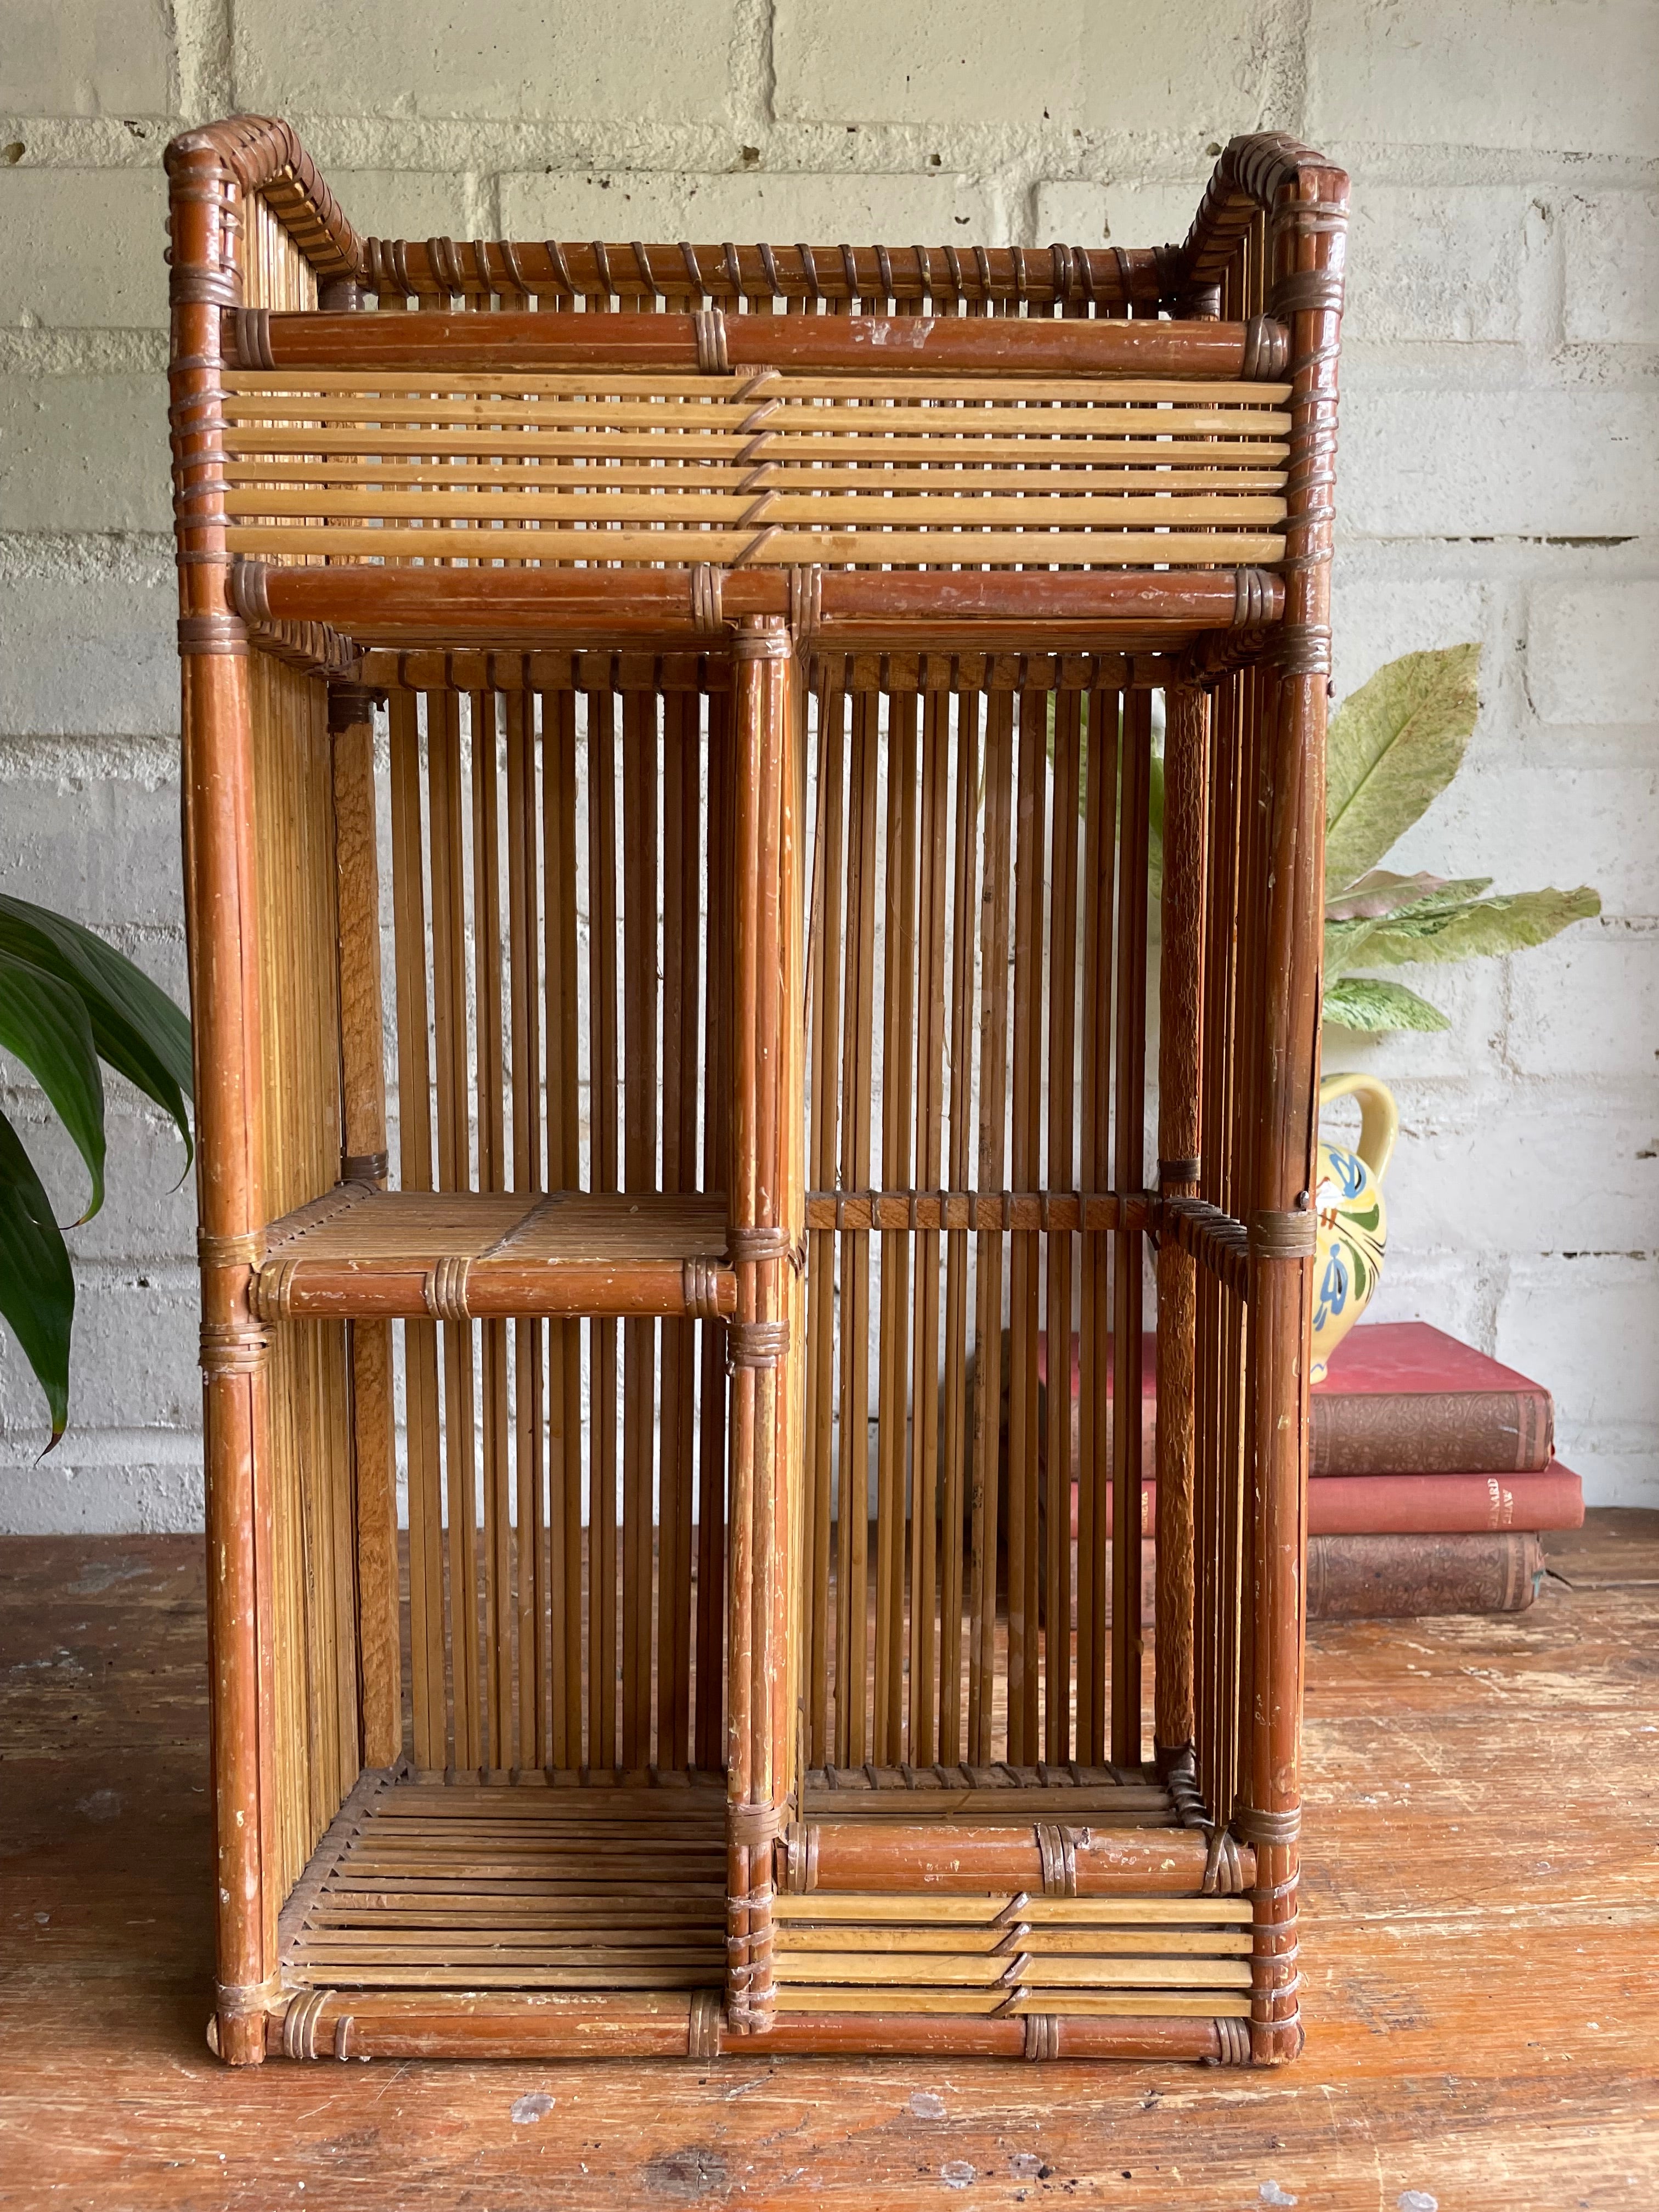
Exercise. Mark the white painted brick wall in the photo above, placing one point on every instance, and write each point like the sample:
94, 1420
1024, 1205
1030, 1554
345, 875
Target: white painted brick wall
1498, 471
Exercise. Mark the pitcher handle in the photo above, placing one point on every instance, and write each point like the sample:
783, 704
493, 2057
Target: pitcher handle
1379, 1116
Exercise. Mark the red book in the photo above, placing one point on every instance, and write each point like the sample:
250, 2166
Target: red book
1444, 1504
1401, 1398
1423, 1504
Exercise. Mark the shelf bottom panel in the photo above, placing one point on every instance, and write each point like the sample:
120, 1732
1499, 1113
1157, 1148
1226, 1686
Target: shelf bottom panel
364, 1254
443, 1918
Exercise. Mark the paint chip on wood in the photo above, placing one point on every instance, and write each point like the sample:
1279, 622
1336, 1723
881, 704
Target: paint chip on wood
536, 2105
956, 2173
925, 2105
1273, 2194
1417, 2200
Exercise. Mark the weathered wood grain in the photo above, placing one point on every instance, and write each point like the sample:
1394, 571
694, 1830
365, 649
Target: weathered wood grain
1478, 1873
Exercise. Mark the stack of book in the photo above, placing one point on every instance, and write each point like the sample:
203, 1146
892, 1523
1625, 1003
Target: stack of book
1433, 1477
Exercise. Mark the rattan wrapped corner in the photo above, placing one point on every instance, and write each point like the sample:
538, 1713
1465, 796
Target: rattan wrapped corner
670, 736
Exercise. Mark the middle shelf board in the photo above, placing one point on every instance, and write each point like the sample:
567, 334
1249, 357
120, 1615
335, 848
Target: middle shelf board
359, 1252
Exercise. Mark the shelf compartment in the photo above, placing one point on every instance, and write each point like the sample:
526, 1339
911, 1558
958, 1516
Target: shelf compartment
360, 1253
430, 1894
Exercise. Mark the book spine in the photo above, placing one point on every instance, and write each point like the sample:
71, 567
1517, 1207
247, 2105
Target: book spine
1431, 1431
1444, 1504
1400, 1578
1428, 1504
1404, 1577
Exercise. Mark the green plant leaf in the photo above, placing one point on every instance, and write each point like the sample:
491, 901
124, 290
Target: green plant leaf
135, 1025
1393, 745
37, 1288
1366, 1002
1466, 929
1345, 943
1380, 893
44, 1023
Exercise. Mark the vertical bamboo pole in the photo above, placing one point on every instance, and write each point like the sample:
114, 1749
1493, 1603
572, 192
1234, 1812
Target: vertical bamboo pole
1060, 1175
533, 1610
602, 1749
935, 847
1094, 1332
1128, 1177
363, 1066
1180, 998
1216, 1441
641, 1064
965, 900
1309, 246
221, 906
758, 1337
562, 1746
454, 1166
713, 1505
826, 972
1024, 1246
853, 1479
789, 1459
993, 1163
894, 1371
682, 955
426, 1592
497, 1737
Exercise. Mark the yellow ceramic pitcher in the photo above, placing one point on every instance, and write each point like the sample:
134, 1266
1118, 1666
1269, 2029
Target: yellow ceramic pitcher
1352, 1223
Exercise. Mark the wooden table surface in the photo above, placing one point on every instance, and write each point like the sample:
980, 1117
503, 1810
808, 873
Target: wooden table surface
1481, 1934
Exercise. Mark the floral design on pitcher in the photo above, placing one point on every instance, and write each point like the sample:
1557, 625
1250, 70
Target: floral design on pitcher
1353, 1225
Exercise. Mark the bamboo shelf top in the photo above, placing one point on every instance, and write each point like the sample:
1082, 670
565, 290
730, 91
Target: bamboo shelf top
453, 1255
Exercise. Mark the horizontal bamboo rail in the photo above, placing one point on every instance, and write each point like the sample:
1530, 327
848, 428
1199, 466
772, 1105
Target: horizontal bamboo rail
387, 668
515, 343
1003, 277
1057, 1212
355, 2024
390, 604
925, 1857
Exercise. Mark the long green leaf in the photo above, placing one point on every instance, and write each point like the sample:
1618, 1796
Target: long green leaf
1393, 745
1466, 930
37, 1288
1366, 1002
135, 1025
44, 1023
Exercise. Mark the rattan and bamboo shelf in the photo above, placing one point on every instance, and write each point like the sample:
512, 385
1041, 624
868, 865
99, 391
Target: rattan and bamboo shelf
785, 653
